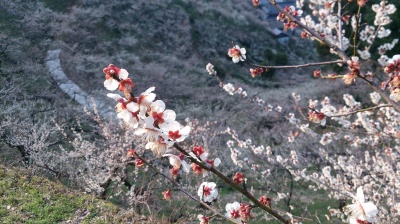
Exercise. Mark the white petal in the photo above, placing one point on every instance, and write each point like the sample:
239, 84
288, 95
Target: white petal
169, 115
133, 122
185, 130
185, 166
125, 115
149, 122
149, 145
132, 107
111, 84
217, 161
360, 195
204, 156
150, 97
114, 96
175, 161
123, 74
149, 90
172, 126
140, 131
370, 210
158, 106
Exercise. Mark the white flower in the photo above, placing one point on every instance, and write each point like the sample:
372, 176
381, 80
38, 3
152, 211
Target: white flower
160, 114
364, 54
176, 161
126, 111
210, 69
208, 191
237, 54
175, 131
147, 97
361, 210
232, 211
159, 147
229, 88
149, 132
110, 83
203, 219
375, 97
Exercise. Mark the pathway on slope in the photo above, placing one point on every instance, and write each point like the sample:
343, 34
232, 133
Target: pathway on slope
73, 90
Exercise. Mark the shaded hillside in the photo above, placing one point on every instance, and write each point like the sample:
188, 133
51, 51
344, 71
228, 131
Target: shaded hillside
167, 45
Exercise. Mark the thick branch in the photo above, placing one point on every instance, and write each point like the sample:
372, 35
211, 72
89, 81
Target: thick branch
184, 191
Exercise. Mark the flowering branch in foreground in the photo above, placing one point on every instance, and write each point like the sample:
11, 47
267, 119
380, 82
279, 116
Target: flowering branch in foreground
158, 127
184, 191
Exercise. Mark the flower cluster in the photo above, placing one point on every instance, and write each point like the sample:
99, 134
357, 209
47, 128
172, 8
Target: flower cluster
150, 118
354, 66
392, 70
288, 23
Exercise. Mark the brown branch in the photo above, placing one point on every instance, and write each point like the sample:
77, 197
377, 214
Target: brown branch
302, 65
183, 190
361, 110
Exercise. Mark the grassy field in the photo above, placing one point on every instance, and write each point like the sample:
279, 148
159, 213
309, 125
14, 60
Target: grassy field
31, 199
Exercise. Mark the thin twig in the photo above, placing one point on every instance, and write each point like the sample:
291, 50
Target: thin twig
340, 53
302, 65
361, 110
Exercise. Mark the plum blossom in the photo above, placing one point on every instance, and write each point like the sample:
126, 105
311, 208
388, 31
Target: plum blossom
147, 129
229, 88
178, 161
160, 114
208, 191
210, 69
199, 154
112, 74
364, 54
237, 54
232, 211
175, 131
160, 146
126, 110
265, 200
317, 117
361, 210
167, 195
146, 97
245, 211
203, 219
239, 178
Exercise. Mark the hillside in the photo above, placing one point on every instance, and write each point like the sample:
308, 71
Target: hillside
26, 198
165, 44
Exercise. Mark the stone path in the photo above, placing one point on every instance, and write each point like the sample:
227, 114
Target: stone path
73, 90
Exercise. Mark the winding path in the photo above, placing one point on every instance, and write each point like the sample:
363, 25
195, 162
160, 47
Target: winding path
73, 90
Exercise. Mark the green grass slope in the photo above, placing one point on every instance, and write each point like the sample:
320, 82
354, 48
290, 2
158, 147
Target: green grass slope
32, 199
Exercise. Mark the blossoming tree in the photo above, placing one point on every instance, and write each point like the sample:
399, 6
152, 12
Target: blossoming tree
365, 159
